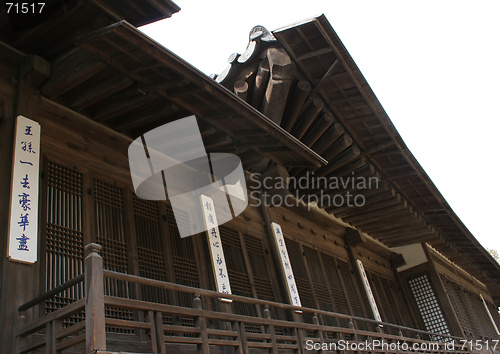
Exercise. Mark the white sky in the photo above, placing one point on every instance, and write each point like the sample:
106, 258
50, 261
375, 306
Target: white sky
434, 66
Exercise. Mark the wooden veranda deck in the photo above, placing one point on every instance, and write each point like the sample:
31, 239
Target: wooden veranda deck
90, 324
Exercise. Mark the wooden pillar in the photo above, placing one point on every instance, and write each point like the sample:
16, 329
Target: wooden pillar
269, 217
95, 327
353, 238
19, 282
448, 310
248, 267
416, 320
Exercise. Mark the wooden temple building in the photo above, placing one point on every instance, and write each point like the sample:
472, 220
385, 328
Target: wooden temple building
103, 271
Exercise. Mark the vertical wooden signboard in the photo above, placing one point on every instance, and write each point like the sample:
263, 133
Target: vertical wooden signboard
23, 224
286, 265
368, 289
489, 314
215, 245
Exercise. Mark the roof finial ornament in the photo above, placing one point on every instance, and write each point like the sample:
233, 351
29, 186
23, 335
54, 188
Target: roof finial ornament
262, 33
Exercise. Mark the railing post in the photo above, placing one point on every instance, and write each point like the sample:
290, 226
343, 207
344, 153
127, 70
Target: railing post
95, 326
201, 323
319, 332
353, 327
160, 335
270, 330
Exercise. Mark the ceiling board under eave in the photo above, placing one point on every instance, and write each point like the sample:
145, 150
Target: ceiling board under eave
368, 125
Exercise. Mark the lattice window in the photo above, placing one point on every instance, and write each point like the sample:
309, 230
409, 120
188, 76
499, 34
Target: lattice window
185, 267
350, 287
109, 216
488, 331
260, 272
261, 277
461, 307
428, 305
396, 296
150, 250
341, 304
386, 297
300, 274
470, 310
64, 239
238, 274
319, 283
494, 313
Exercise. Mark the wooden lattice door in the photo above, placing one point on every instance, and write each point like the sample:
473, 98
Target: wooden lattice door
150, 242
64, 239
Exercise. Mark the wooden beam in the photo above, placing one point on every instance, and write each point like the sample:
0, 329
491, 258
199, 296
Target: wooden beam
117, 108
70, 70
341, 160
392, 220
341, 183
164, 84
315, 53
326, 76
367, 209
372, 198
137, 120
404, 237
308, 117
377, 148
415, 228
332, 134
217, 141
319, 128
100, 92
374, 217
337, 146
296, 104
352, 166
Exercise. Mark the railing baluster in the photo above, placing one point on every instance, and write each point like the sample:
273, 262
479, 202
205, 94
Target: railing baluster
241, 337
201, 323
94, 307
319, 332
160, 335
152, 331
270, 330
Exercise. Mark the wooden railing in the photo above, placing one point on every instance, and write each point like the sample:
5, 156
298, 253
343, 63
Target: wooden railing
206, 327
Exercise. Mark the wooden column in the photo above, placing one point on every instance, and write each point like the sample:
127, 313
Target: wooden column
249, 269
269, 217
416, 320
95, 328
19, 281
353, 238
166, 242
448, 310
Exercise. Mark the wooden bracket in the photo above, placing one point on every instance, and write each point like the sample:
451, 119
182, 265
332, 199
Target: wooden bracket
397, 260
35, 70
353, 237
